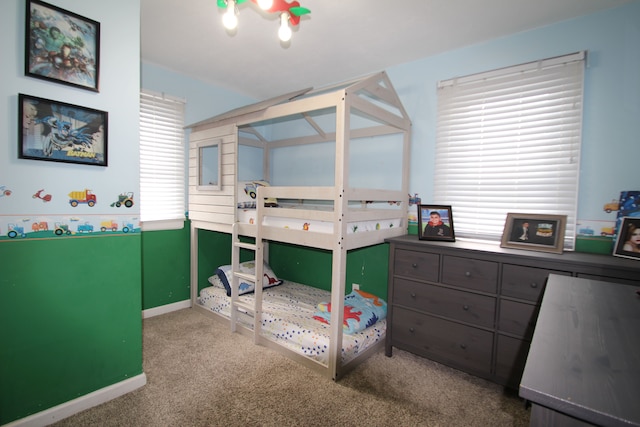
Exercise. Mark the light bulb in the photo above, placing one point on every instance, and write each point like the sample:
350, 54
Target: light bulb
265, 4
229, 19
284, 32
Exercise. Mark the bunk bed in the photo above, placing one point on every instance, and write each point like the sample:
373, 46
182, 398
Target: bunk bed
336, 203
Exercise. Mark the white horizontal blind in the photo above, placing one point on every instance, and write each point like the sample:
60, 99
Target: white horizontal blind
509, 141
162, 158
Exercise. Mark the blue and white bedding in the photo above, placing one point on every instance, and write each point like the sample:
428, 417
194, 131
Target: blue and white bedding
288, 318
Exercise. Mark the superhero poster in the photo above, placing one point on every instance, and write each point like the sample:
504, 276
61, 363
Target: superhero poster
61, 132
61, 46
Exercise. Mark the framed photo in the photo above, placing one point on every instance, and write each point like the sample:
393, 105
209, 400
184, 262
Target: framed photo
61, 132
435, 222
534, 232
628, 240
61, 46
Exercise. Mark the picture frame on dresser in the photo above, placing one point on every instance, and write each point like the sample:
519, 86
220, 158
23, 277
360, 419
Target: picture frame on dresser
628, 238
534, 232
435, 222
61, 46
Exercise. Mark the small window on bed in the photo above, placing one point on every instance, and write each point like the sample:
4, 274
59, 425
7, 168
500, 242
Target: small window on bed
209, 170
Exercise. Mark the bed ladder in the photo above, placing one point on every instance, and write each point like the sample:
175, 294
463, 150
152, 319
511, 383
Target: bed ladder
238, 306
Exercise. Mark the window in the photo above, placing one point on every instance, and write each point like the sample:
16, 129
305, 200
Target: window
509, 141
162, 162
209, 165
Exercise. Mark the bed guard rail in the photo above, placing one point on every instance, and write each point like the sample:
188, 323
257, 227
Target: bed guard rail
396, 197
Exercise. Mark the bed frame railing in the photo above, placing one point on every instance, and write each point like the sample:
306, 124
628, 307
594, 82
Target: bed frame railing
367, 208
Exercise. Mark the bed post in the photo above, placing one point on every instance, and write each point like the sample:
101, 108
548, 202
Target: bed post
339, 252
194, 265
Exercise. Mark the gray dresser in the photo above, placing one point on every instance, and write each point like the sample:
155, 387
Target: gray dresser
474, 306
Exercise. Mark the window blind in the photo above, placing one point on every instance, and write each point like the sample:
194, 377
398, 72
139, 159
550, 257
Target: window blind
509, 141
162, 159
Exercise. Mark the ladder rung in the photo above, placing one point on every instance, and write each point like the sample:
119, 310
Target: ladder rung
250, 246
248, 277
245, 306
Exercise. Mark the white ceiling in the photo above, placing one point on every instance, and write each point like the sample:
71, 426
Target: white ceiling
337, 41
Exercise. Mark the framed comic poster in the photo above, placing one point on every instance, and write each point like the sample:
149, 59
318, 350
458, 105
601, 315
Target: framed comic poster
534, 232
435, 222
61, 132
628, 239
61, 46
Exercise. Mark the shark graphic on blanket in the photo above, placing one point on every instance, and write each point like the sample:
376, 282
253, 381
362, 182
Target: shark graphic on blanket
361, 310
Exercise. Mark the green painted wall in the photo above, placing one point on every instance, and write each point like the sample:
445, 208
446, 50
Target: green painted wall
70, 320
595, 245
366, 266
214, 250
165, 267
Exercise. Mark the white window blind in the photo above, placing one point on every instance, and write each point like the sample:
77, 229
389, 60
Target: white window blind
162, 160
509, 141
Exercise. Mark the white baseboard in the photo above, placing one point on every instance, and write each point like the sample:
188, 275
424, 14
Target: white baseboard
67, 409
168, 308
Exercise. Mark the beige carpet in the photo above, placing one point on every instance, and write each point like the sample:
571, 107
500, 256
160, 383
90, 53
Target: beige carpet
201, 374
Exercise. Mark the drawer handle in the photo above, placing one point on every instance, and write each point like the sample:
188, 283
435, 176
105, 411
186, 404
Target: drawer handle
465, 307
412, 330
414, 265
413, 295
463, 346
534, 285
467, 273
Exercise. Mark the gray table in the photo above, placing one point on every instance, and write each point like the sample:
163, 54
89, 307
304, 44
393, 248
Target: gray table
583, 366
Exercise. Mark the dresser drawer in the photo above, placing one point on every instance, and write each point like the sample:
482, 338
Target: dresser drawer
456, 304
517, 318
470, 273
419, 265
448, 342
511, 357
526, 282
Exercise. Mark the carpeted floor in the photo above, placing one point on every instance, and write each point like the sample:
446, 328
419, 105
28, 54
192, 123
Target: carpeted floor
201, 374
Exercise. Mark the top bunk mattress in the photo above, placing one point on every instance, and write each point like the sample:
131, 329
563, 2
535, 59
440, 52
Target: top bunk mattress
248, 216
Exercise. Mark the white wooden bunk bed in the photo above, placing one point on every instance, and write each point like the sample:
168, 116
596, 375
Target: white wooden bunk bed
365, 112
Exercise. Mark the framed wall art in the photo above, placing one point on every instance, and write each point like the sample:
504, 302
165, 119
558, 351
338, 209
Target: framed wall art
61, 46
628, 239
61, 132
534, 232
435, 222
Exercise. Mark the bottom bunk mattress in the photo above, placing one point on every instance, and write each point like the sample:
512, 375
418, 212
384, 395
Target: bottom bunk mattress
288, 319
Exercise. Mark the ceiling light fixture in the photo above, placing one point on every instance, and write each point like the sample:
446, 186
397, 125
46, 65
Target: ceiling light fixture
265, 4
229, 19
290, 13
284, 32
